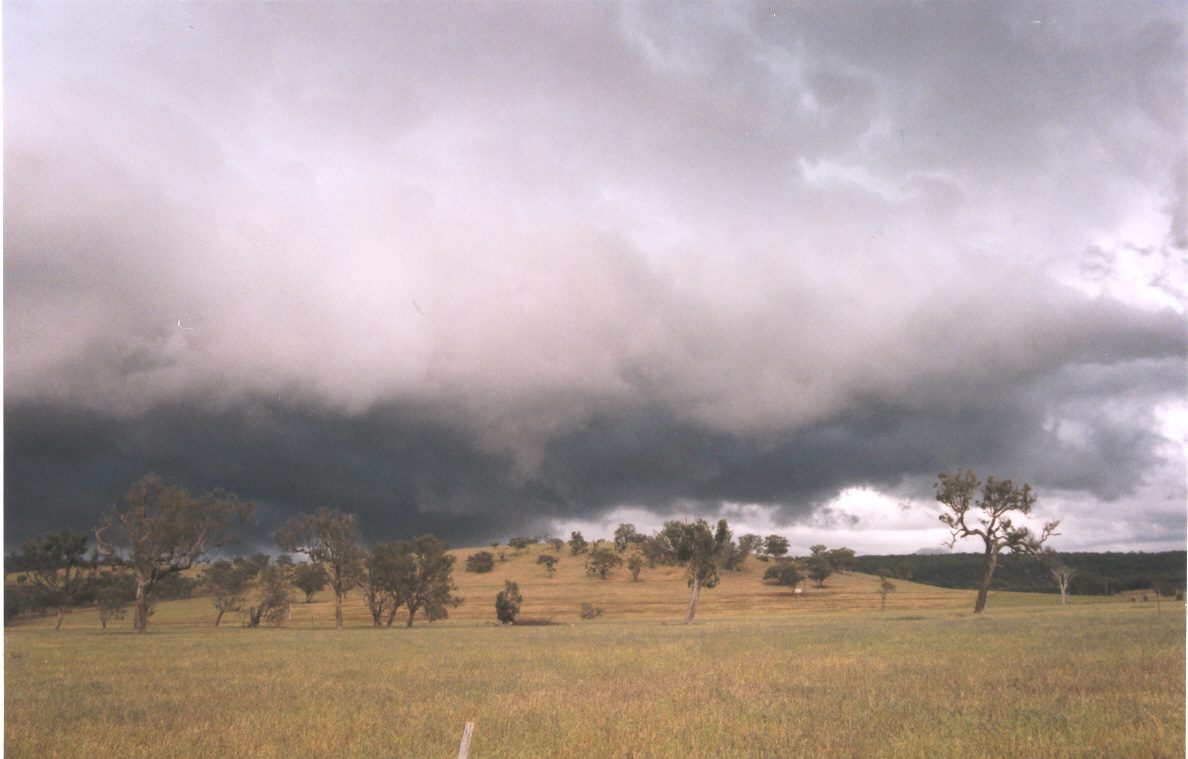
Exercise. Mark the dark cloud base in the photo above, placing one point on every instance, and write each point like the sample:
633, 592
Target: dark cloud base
406, 472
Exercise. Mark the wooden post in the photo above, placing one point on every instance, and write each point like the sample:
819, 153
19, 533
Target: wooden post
464, 749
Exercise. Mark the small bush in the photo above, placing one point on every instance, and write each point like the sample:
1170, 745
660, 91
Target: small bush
507, 603
590, 611
548, 562
483, 561
783, 574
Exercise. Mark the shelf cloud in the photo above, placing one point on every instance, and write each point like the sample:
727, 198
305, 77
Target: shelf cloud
483, 269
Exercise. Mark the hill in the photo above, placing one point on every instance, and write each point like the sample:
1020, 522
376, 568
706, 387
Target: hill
660, 594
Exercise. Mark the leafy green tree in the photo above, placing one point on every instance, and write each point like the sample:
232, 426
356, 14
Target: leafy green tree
507, 603
426, 581
227, 585
309, 579
548, 562
750, 543
274, 601
733, 557
384, 567
520, 544
775, 545
556, 544
655, 551
958, 494
843, 559
635, 563
601, 561
483, 561
699, 549
251, 565
783, 574
819, 568
577, 544
330, 539
56, 566
112, 601
163, 530
626, 536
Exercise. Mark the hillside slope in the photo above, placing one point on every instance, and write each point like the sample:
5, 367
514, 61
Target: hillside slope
660, 593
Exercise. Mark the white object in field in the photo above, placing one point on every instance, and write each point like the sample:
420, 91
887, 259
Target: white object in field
464, 749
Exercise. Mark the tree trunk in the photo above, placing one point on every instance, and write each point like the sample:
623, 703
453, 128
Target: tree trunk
219, 618
391, 616
338, 609
693, 601
61, 616
987, 576
140, 614
412, 612
1063, 593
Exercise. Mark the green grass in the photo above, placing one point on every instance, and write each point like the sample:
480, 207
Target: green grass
1021, 680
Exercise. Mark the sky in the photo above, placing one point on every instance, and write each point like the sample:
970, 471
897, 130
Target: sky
490, 269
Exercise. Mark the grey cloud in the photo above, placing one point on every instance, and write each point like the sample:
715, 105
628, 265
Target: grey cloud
522, 263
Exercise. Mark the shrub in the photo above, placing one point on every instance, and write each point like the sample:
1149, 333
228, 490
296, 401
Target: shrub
174, 586
602, 561
548, 562
577, 544
507, 603
783, 574
590, 611
483, 561
635, 563
521, 543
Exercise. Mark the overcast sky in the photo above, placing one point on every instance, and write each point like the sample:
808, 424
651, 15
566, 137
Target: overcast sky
490, 269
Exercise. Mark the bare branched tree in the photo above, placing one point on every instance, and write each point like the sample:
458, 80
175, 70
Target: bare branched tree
1062, 574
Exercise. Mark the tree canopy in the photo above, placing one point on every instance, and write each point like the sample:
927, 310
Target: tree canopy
162, 529
989, 517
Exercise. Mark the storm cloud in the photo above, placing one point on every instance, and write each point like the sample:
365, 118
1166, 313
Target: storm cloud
489, 269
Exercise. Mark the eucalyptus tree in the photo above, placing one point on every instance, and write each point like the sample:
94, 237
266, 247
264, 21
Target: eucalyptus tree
56, 565
699, 548
227, 585
330, 539
163, 530
425, 580
988, 516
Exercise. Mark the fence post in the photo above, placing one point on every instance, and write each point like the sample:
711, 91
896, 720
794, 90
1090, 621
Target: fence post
464, 749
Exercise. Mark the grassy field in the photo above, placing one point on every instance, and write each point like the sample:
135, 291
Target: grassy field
759, 675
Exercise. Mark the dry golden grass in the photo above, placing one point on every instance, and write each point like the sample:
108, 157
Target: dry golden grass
660, 593
1026, 681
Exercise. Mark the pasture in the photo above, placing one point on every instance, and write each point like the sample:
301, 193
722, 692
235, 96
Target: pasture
758, 675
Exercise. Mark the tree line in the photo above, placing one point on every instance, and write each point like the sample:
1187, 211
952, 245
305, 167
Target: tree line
162, 530
1097, 573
